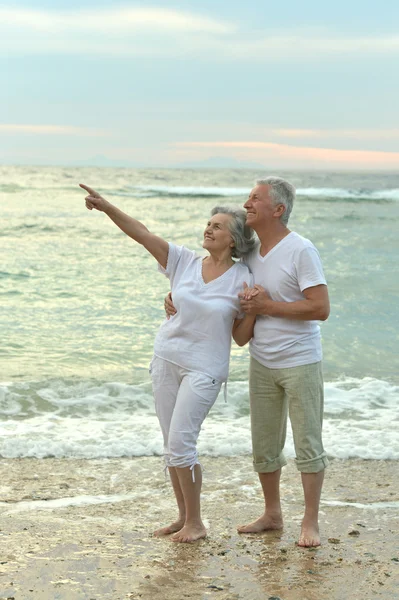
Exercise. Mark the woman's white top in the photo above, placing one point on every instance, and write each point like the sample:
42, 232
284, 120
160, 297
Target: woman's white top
198, 336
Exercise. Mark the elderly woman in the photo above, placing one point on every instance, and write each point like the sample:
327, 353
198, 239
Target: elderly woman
192, 348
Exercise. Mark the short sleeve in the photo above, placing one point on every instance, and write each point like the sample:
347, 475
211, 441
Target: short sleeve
176, 256
309, 268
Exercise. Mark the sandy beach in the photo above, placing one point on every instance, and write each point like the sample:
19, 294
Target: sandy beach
81, 529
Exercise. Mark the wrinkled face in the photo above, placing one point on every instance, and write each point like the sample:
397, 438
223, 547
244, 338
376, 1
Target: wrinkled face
217, 236
260, 208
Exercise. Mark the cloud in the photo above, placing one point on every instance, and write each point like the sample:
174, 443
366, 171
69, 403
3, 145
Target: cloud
355, 134
157, 32
53, 130
300, 155
109, 21
315, 45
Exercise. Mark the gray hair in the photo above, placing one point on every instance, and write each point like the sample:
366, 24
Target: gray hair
243, 236
281, 192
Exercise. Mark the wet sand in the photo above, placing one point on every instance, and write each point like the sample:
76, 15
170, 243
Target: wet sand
80, 530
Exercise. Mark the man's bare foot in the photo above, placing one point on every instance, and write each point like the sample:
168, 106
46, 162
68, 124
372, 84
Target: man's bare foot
190, 533
310, 536
172, 528
264, 523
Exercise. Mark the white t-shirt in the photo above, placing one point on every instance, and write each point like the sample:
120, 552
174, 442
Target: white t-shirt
289, 268
198, 336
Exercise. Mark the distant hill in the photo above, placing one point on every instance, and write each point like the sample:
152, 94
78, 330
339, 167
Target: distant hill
220, 162
213, 162
101, 161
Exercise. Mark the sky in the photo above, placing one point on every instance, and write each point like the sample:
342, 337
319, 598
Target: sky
290, 84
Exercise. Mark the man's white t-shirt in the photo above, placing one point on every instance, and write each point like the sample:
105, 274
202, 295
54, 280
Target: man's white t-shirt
198, 336
285, 271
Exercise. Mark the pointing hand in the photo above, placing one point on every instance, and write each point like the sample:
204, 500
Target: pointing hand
94, 199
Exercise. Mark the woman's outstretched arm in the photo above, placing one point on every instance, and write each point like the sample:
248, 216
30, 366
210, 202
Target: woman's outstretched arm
157, 246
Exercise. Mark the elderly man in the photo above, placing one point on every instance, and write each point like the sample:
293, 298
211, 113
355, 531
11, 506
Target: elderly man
289, 298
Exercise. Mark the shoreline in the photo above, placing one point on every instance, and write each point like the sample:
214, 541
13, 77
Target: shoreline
78, 529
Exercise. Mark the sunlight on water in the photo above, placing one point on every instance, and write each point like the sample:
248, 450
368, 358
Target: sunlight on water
81, 304
81, 299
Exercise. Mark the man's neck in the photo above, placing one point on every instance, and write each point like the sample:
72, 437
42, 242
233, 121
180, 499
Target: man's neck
270, 237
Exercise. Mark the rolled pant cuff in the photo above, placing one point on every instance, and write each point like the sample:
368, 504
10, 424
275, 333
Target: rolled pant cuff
181, 462
312, 465
270, 467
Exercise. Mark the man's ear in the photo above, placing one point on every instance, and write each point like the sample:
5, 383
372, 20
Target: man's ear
280, 210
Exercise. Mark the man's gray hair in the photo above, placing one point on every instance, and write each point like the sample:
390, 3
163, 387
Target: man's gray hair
243, 236
281, 192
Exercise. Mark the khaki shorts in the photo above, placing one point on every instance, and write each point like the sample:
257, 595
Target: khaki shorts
275, 393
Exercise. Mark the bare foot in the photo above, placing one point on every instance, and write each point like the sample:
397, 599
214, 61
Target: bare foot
264, 523
310, 536
190, 533
172, 528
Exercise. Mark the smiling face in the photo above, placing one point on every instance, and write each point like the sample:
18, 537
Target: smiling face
217, 236
260, 208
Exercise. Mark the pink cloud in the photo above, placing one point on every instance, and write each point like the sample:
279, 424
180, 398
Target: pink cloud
300, 155
362, 134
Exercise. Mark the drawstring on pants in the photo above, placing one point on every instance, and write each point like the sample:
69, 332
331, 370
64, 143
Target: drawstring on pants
166, 470
192, 469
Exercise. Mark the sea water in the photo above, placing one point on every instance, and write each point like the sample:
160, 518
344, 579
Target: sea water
80, 304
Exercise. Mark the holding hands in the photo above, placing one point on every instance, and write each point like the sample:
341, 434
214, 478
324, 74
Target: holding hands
255, 301
248, 293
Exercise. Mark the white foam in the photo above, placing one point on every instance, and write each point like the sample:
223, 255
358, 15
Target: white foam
348, 193
370, 505
89, 420
310, 192
180, 190
66, 502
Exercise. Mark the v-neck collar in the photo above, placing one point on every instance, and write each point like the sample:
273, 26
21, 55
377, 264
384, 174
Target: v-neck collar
272, 250
201, 279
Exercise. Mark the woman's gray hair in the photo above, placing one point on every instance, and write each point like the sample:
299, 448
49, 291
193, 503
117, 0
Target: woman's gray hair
243, 236
281, 192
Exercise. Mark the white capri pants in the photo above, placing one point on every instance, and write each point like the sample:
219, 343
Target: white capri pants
183, 399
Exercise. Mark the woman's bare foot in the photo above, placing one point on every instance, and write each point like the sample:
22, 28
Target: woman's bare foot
190, 533
310, 536
172, 528
264, 523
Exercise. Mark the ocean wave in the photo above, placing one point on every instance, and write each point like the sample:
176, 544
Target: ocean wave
11, 188
36, 229
28, 228
349, 194
91, 419
192, 191
171, 191
18, 275
231, 192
